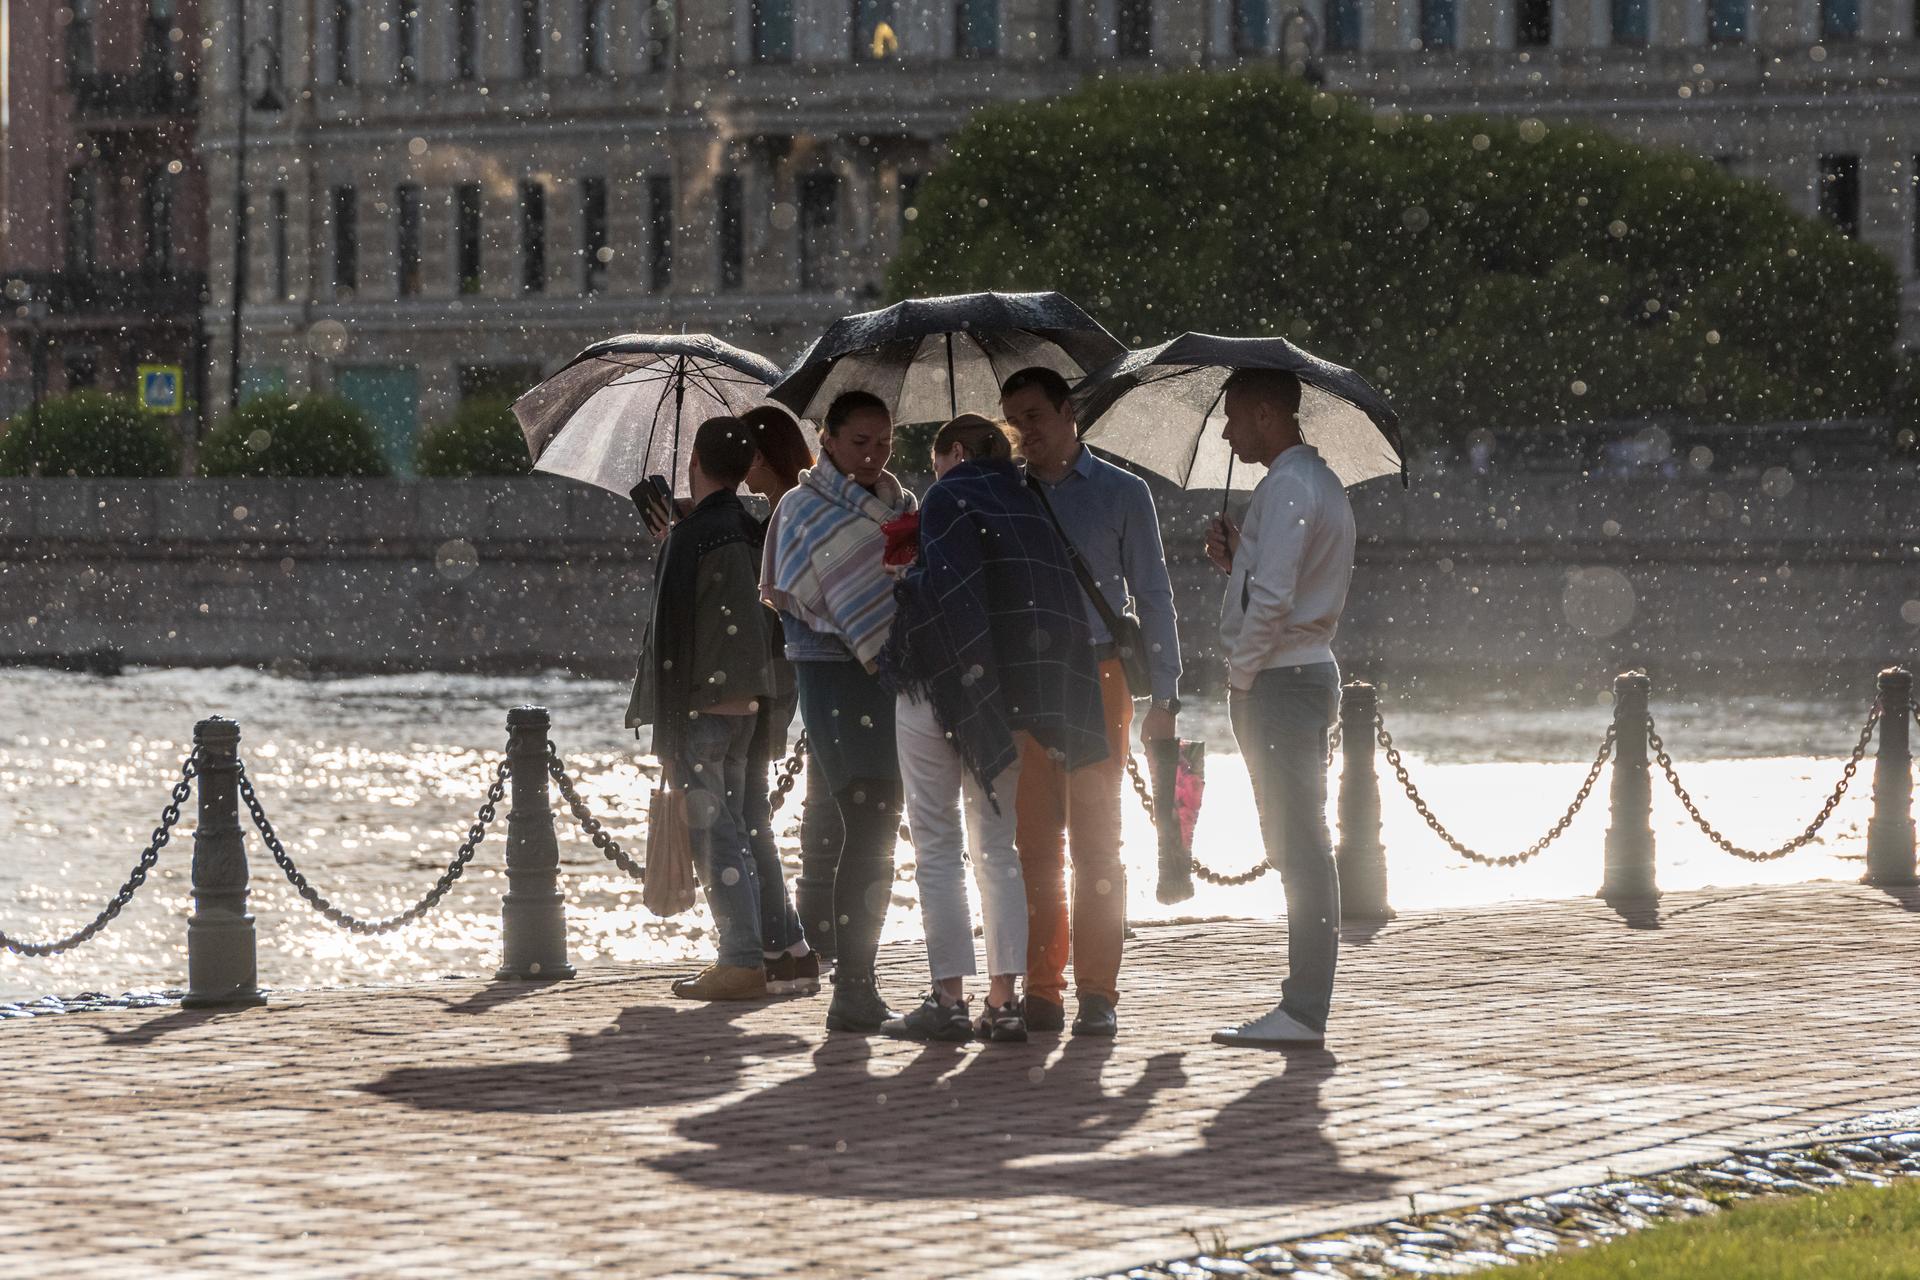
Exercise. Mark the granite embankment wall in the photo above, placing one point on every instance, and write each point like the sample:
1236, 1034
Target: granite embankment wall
1491, 577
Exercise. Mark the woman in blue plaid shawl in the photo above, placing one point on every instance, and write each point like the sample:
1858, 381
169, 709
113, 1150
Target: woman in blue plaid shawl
989, 641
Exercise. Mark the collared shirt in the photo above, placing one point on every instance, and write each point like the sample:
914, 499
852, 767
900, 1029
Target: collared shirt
1291, 573
1109, 517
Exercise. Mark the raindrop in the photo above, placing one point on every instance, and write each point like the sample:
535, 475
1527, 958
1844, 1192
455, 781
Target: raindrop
730, 876
1598, 601
1776, 482
1713, 337
1616, 228
327, 338
1700, 457
1910, 613
456, 559
1481, 142
1611, 528
259, 439
416, 147
239, 513
1578, 388
1416, 218
1532, 130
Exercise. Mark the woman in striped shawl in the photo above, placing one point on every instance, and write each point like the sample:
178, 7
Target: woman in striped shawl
825, 575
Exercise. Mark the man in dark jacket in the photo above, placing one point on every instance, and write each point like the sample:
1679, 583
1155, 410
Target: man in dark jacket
703, 675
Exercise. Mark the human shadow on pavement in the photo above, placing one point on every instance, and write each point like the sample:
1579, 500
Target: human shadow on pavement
651, 1056
166, 1024
993, 1122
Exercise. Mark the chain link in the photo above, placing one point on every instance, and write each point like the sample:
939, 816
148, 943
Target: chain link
597, 833
354, 924
169, 817
1800, 841
1140, 787
1532, 851
789, 774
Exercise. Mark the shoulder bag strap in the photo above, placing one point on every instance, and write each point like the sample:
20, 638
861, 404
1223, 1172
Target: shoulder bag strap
1080, 570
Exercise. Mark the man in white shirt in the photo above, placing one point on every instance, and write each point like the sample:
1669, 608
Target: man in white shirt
1290, 568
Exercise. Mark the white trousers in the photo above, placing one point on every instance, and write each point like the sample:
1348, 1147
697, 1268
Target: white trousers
934, 780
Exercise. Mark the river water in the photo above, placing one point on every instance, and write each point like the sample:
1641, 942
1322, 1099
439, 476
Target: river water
373, 780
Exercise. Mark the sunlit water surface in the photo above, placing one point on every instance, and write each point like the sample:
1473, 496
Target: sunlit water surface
373, 780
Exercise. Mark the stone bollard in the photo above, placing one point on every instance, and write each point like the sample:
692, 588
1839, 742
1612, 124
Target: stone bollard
533, 914
221, 966
1890, 833
1629, 864
1362, 859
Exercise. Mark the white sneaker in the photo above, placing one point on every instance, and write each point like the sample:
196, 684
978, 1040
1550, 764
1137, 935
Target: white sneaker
1276, 1030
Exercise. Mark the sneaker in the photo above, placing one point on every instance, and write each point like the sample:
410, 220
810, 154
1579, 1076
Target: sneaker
1275, 1030
1096, 1017
1001, 1023
794, 975
931, 1021
1043, 1015
724, 982
856, 1005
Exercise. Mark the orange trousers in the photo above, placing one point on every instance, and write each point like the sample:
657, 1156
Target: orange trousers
1057, 812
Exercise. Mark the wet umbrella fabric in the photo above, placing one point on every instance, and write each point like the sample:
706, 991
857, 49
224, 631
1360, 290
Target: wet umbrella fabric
627, 408
931, 359
1160, 409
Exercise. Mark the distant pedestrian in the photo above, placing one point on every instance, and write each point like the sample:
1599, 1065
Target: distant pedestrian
824, 572
703, 676
989, 650
1108, 518
1290, 569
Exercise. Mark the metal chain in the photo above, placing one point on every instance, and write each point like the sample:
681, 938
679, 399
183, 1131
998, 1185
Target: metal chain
789, 774
1140, 785
169, 816
1800, 841
1532, 851
605, 843
353, 924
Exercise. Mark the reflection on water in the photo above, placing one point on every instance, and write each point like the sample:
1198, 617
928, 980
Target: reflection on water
373, 780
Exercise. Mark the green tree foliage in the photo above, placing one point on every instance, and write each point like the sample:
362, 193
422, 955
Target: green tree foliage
89, 434
482, 438
1482, 273
277, 435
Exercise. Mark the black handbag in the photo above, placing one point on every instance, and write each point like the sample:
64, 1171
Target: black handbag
1129, 641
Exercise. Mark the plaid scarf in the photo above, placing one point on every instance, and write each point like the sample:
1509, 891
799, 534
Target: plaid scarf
823, 555
991, 629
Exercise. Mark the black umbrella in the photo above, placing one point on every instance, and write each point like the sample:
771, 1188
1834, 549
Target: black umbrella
1160, 410
935, 358
626, 408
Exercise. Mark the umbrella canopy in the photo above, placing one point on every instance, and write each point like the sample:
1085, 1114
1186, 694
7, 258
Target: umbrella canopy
1161, 410
931, 359
627, 408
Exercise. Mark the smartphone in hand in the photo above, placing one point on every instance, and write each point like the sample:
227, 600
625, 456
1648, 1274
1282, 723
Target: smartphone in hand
654, 497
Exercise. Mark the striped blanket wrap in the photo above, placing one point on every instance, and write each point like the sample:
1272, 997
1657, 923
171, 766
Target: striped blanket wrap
823, 556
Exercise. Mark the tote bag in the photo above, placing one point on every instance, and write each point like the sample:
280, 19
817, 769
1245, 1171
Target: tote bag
669, 887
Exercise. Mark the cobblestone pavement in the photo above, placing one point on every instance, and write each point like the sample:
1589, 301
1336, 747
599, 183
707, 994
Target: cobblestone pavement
458, 1128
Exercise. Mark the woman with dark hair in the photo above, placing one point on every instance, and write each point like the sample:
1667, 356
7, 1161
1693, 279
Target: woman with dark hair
989, 647
824, 572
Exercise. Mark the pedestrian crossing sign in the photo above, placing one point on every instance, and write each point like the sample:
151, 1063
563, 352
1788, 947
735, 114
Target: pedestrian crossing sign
160, 388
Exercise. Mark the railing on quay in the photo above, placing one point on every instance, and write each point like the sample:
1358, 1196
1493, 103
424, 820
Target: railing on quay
221, 944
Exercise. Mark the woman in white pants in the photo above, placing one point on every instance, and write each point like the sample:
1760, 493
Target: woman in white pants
988, 643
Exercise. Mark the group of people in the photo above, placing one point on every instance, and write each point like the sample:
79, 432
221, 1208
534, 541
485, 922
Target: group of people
970, 660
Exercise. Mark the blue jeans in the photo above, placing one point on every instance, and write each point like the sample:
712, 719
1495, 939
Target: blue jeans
713, 773
1282, 726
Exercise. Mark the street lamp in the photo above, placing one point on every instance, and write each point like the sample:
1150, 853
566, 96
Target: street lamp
1304, 65
271, 99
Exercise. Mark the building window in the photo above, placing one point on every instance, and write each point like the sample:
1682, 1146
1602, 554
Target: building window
595, 253
1063, 29
406, 240
466, 238
80, 220
1726, 21
593, 38
819, 230
659, 35
342, 41
281, 224
1133, 28
1533, 24
1629, 21
659, 232
909, 199
532, 44
1249, 27
870, 31
1840, 193
1343, 26
346, 243
156, 217
772, 30
79, 42
406, 40
156, 44
533, 237
1839, 19
1436, 24
730, 224
466, 39
976, 28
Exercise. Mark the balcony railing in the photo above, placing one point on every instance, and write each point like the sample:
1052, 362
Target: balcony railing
115, 291
133, 94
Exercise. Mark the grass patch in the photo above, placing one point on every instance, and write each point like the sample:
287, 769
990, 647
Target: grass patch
1861, 1233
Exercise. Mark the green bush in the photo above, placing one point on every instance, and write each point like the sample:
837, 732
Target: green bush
482, 438
89, 434
1482, 273
276, 435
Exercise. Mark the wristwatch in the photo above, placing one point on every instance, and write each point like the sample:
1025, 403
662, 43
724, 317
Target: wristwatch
1169, 705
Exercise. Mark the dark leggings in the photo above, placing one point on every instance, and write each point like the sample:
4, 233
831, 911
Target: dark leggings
821, 836
863, 880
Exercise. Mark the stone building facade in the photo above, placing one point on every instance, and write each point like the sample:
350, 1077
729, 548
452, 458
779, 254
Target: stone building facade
460, 193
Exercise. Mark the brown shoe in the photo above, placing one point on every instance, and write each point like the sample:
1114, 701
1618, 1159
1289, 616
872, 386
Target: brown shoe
724, 982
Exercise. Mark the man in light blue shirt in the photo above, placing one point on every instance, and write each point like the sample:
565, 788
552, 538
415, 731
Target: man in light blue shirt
1108, 516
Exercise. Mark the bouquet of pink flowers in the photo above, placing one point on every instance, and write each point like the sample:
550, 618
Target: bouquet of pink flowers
903, 540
